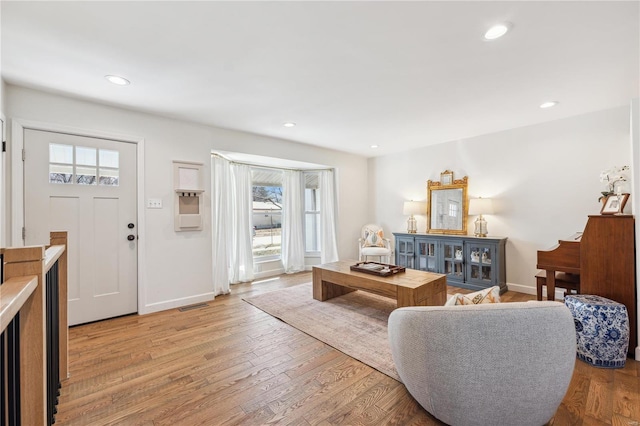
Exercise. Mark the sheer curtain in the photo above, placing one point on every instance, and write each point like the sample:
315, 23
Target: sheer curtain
241, 265
221, 211
328, 244
292, 228
231, 206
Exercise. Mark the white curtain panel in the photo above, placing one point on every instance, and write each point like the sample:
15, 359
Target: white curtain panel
231, 207
221, 211
241, 265
328, 217
292, 227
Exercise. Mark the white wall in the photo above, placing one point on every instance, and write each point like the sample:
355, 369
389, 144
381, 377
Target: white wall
3, 91
4, 224
2, 84
544, 180
178, 264
635, 149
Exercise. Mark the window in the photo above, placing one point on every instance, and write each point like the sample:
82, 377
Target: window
109, 162
453, 210
69, 164
60, 163
311, 213
267, 213
86, 165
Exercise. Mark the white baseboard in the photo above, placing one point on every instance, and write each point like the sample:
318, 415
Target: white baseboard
267, 274
177, 303
532, 290
521, 288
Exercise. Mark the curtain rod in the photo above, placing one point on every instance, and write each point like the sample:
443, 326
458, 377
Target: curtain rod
267, 167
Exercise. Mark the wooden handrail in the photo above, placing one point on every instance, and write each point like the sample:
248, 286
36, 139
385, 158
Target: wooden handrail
51, 255
25, 271
13, 295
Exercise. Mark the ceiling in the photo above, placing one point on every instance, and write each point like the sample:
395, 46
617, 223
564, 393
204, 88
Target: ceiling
399, 75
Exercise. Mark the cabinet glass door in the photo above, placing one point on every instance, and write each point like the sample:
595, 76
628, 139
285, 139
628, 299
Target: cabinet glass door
453, 260
480, 258
426, 255
405, 253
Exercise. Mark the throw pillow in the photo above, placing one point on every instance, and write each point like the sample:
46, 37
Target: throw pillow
451, 301
488, 295
373, 238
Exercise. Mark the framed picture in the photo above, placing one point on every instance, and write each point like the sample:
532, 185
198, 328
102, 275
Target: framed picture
613, 205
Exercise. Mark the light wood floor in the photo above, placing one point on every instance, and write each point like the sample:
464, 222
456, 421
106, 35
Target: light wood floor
231, 364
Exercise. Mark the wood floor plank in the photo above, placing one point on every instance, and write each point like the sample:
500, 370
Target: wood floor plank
332, 405
626, 396
199, 407
283, 391
574, 404
599, 405
618, 420
230, 363
292, 407
399, 406
295, 414
363, 409
424, 419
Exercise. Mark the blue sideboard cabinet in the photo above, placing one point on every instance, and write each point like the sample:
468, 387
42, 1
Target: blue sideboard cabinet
469, 262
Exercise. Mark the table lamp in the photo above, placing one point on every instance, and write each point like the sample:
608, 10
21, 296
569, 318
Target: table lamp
411, 208
480, 206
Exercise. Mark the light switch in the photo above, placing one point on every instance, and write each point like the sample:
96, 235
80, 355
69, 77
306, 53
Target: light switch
154, 203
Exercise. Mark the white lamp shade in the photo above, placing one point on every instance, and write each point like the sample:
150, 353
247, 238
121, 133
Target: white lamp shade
480, 206
414, 207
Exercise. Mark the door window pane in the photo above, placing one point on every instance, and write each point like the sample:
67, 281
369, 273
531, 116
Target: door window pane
109, 158
109, 177
85, 156
85, 175
59, 173
60, 153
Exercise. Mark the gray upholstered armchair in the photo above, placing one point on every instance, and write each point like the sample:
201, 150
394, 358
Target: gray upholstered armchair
491, 364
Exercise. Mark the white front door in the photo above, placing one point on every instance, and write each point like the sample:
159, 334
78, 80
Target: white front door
3, 201
87, 187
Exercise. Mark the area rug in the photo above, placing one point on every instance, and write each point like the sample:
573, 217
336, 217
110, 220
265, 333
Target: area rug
355, 323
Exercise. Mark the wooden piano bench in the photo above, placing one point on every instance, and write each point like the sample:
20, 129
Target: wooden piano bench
570, 282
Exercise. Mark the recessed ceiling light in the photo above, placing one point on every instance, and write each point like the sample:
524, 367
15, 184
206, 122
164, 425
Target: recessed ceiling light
289, 124
115, 79
374, 146
548, 104
497, 31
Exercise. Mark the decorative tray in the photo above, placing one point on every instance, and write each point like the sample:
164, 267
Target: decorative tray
375, 268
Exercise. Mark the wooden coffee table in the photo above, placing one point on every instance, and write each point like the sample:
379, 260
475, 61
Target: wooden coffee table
409, 288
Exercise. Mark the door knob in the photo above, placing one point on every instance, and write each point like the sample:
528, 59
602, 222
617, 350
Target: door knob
131, 237
130, 226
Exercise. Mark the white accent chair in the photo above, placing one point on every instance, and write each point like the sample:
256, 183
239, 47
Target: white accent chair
373, 243
488, 364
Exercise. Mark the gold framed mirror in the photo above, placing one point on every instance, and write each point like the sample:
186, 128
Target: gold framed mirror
447, 205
